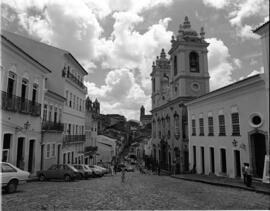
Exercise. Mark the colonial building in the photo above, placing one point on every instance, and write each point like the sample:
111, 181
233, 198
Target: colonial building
66, 80
230, 126
52, 129
22, 94
91, 130
107, 149
176, 81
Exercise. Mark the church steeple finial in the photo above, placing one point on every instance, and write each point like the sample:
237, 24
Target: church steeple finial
202, 33
186, 23
162, 54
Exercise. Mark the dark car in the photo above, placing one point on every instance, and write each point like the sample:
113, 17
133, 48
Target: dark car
59, 171
85, 171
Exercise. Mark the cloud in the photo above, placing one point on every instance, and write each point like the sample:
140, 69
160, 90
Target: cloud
120, 94
217, 4
219, 63
239, 11
254, 72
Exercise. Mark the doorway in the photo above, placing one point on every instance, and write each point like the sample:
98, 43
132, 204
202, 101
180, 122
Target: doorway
31, 155
202, 159
58, 153
237, 163
20, 153
212, 159
223, 161
258, 151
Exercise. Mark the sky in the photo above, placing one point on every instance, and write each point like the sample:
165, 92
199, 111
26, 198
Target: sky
117, 41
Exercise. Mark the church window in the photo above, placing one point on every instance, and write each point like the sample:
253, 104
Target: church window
194, 62
176, 125
175, 65
154, 85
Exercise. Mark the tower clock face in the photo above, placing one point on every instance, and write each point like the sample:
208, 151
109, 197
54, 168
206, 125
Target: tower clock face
195, 86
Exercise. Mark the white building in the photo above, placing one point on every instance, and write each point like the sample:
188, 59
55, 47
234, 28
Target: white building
228, 127
66, 80
106, 148
22, 94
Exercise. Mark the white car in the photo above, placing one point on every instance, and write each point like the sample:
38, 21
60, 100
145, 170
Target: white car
12, 177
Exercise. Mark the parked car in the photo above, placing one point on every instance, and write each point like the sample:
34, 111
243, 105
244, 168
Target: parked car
104, 170
59, 171
12, 177
97, 171
85, 171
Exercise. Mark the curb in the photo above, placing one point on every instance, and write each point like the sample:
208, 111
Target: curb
223, 184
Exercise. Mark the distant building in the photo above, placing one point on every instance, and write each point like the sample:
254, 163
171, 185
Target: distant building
91, 130
22, 96
175, 81
144, 119
107, 148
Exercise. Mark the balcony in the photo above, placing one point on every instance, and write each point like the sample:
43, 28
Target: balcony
47, 126
70, 139
17, 104
75, 80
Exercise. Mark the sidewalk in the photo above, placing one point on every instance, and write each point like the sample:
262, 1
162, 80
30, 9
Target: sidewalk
256, 186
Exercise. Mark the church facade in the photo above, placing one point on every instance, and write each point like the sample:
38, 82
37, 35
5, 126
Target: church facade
175, 81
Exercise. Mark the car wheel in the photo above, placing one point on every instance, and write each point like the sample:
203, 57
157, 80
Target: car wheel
67, 178
42, 178
12, 186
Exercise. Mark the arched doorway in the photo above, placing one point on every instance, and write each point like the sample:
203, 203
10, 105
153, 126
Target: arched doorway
31, 158
20, 153
177, 160
164, 154
258, 152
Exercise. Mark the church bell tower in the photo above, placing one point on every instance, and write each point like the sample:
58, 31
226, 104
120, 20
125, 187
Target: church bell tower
189, 64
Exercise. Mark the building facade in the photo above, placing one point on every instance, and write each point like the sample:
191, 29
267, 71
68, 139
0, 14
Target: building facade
228, 127
91, 130
176, 81
22, 94
65, 80
107, 149
144, 119
52, 129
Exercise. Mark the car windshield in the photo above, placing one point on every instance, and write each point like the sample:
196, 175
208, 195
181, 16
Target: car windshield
72, 167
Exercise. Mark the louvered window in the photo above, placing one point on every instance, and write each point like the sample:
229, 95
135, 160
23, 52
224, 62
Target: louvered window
210, 126
235, 124
222, 130
201, 124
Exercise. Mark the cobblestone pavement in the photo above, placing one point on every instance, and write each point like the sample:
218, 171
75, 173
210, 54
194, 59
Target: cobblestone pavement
138, 192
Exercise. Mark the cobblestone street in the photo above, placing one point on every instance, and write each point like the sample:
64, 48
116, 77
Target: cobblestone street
138, 192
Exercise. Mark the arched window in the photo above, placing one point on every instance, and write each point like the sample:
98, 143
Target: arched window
154, 85
194, 62
175, 65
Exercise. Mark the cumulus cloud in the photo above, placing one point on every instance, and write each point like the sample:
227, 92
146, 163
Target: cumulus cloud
217, 4
120, 94
220, 64
239, 11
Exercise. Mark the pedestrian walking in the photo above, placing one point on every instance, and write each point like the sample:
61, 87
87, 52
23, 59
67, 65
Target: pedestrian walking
247, 175
158, 169
123, 175
112, 170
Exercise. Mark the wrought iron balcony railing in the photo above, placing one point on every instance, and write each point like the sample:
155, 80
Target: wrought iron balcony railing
76, 80
18, 104
57, 126
69, 139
